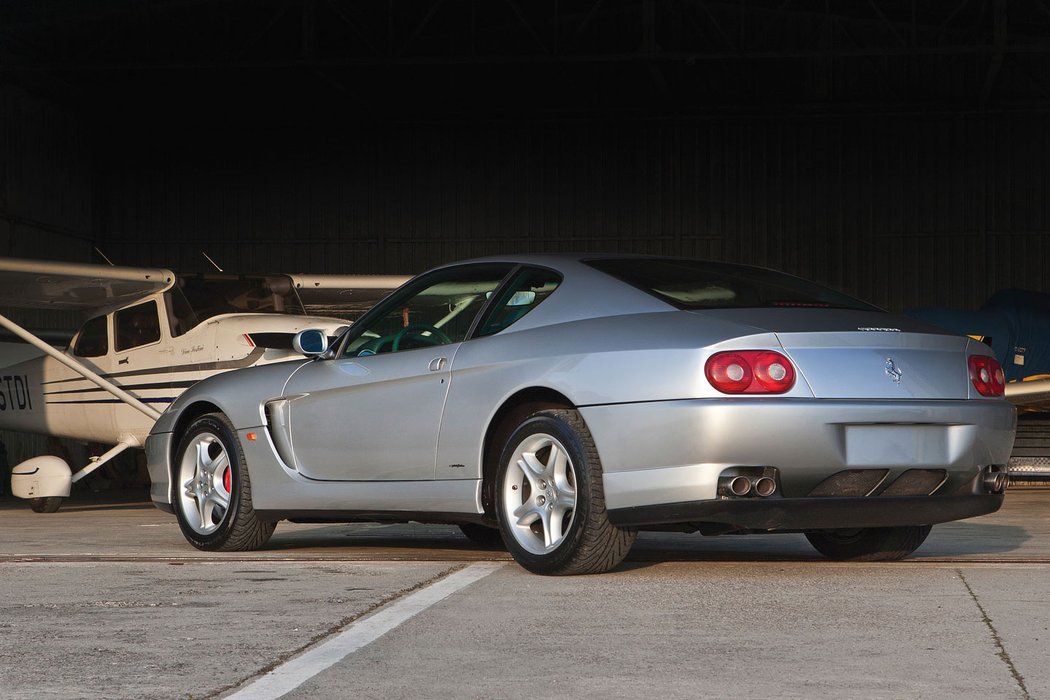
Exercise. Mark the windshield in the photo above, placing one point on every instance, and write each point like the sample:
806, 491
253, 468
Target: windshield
697, 284
196, 298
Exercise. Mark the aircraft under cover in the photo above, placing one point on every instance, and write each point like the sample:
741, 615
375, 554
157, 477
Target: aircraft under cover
148, 335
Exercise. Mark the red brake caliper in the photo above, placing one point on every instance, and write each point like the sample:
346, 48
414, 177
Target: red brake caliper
226, 479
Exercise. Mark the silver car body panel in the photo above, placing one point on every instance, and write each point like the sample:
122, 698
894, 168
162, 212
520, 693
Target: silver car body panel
805, 440
362, 400
405, 432
276, 487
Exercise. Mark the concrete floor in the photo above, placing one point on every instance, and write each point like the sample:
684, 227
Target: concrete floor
106, 599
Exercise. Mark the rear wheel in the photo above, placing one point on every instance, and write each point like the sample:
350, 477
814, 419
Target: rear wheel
51, 504
551, 501
213, 501
870, 543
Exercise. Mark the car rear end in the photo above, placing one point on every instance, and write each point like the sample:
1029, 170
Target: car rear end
821, 413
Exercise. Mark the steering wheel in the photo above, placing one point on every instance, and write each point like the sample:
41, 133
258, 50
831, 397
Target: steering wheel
436, 337
374, 346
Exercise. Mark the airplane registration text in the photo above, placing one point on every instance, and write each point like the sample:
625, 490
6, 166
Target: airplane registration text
14, 393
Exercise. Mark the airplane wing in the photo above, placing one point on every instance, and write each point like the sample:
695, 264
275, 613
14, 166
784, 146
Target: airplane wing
40, 284
1030, 393
343, 296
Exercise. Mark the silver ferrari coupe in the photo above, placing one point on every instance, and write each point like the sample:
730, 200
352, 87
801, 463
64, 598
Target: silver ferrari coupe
559, 404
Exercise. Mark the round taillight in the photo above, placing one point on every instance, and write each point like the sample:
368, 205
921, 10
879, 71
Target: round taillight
750, 372
987, 376
729, 372
773, 372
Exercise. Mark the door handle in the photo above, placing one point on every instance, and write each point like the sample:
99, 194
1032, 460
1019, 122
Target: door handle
438, 364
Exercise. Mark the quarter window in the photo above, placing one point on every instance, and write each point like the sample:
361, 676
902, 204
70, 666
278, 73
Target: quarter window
528, 289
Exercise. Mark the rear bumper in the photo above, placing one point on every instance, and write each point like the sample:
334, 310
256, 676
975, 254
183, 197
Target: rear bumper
662, 456
794, 514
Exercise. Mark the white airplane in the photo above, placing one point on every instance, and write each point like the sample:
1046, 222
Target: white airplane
149, 335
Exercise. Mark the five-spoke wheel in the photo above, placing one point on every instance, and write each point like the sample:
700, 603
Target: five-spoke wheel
213, 492
550, 499
205, 482
539, 490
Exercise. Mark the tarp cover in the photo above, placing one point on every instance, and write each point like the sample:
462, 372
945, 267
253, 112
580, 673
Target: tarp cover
1015, 322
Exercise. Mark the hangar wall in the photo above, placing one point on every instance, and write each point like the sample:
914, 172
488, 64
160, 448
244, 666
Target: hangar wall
902, 209
46, 176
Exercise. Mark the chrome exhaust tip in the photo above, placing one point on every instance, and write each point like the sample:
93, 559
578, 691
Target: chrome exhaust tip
740, 486
996, 481
764, 486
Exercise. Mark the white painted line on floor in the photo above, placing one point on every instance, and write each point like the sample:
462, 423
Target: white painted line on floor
290, 675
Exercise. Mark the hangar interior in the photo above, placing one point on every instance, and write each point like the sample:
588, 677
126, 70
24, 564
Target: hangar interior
894, 149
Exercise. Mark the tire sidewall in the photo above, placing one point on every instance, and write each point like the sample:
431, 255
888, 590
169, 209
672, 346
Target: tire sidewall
870, 544
218, 426
553, 425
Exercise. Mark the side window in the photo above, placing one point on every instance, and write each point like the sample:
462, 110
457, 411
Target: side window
136, 325
527, 291
181, 317
92, 340
437, 310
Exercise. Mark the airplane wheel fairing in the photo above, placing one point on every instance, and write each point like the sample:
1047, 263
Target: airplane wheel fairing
51, 504
213, 501
551, 501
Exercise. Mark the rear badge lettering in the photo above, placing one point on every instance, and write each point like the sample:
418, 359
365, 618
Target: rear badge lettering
892, 371
879, 330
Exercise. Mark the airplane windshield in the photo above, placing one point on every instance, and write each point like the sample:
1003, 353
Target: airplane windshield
196, 298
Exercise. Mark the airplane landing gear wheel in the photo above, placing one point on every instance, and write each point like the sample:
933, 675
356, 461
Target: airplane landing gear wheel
51, 504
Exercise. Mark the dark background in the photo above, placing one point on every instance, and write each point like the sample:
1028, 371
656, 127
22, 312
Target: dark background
895, 149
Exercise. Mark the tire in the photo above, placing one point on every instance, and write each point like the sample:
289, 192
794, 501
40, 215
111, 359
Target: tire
550, 501
213, 492
50, 504
487, 537
869, 544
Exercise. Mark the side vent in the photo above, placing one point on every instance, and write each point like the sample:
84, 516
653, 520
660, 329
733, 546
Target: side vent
277, 413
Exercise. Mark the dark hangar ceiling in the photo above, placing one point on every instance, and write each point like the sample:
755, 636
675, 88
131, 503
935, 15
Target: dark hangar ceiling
280, 62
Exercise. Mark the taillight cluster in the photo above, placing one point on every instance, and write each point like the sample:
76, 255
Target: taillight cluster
750, 372
987, 375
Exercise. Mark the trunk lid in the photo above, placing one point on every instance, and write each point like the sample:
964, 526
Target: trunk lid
844, 354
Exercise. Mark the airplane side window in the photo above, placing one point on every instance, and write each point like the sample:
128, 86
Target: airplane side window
92, 340
136, 325
181, 316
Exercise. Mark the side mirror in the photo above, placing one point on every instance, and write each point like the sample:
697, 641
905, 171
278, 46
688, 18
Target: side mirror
310, 342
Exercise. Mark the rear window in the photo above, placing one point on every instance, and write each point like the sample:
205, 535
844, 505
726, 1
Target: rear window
698, 284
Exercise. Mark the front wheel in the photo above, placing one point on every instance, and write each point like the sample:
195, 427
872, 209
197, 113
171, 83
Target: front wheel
213, 502
869, 543
551, 501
